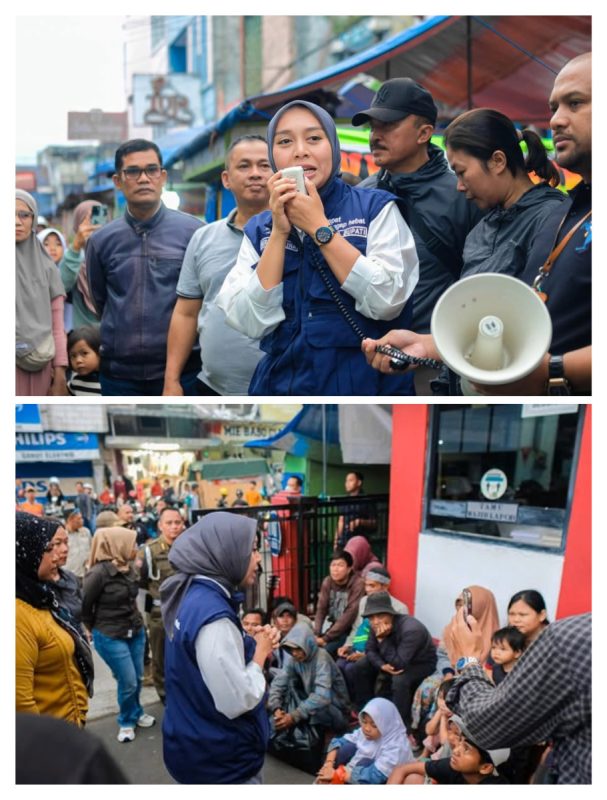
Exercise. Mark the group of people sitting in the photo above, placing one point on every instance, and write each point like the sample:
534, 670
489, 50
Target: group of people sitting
359, 694
365, 682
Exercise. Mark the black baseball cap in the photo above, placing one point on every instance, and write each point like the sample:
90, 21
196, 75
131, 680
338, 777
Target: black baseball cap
396, 99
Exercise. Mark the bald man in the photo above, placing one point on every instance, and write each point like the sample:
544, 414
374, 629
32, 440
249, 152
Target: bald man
566, 287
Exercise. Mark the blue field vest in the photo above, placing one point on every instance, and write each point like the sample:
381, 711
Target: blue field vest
200, 744
314, 351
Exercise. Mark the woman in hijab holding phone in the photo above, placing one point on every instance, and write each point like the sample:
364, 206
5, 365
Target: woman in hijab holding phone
320, 270
73, 266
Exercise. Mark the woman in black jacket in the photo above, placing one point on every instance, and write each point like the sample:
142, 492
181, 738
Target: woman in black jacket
109, 609
399, 654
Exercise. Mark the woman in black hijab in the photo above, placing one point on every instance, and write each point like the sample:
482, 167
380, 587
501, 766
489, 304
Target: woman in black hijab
54, 664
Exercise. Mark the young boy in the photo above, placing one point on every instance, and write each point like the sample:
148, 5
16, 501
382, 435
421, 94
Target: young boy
507, 645
469, 764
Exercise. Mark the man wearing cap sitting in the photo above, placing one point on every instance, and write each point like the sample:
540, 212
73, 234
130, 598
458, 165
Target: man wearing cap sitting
402, 117
399, 650
469, 763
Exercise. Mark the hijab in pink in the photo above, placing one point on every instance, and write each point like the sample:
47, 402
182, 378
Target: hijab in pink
360, 550
81, 211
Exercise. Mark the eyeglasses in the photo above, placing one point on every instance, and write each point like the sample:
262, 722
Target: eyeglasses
23, 215
152, 171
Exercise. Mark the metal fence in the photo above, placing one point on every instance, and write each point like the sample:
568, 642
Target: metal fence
296, 542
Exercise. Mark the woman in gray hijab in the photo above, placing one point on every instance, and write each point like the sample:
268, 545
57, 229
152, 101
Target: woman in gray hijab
215, 727
40, 349
323, 268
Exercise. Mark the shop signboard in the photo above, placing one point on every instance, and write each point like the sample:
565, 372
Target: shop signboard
56, 446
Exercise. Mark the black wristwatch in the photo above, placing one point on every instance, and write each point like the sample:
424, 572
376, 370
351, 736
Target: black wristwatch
557, 382
324, 234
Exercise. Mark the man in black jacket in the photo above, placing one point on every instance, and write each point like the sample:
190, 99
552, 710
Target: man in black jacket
399, 650
402, 117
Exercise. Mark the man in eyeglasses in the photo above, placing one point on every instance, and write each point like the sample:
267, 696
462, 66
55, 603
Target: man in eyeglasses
133, 266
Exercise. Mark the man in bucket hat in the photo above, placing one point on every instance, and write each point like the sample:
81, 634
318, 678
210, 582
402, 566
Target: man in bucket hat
402, 117
399, 650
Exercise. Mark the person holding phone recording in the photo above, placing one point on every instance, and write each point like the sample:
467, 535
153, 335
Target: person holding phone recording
320, 270
73, 265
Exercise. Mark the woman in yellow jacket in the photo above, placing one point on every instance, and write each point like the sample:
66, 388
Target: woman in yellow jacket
54, 673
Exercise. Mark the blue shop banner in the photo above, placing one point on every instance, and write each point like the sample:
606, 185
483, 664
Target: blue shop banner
27, 417
56, 446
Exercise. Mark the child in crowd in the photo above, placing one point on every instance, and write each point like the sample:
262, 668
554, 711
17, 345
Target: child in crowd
469, 764
83, 345
507, 645
437, 725
371, 752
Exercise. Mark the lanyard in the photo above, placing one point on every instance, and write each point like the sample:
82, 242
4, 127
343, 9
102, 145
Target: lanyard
557, 249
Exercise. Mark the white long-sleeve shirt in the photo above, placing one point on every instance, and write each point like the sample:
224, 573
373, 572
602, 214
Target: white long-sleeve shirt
380, 282
235, 687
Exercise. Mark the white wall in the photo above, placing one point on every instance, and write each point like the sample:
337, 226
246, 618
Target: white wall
447, 564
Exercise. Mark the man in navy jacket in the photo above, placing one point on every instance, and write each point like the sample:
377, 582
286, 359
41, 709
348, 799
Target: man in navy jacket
133, 266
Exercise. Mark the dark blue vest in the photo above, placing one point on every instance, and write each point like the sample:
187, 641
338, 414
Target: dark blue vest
200, 744
314, 351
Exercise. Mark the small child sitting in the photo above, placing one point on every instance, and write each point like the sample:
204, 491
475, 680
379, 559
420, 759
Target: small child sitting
370, 753
507, 645
83, 345
436, 727
469, 764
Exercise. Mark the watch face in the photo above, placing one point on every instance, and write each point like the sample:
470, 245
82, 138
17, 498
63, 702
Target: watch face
324, 235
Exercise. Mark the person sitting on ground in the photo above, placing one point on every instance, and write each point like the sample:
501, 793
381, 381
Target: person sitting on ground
527, 612
485, 611
469, 763
338, 599
377, 579
252, 619
284, 617
310, 689
507, 645
437, 727
360, 550
400, 650
371, 752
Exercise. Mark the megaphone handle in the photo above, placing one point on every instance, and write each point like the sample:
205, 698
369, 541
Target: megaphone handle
404, 360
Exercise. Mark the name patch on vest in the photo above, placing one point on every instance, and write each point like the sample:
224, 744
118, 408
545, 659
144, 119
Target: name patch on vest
289, 245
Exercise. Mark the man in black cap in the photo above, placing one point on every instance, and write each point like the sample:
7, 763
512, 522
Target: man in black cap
399, 649
402, 119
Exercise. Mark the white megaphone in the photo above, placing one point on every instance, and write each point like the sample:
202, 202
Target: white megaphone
491, 329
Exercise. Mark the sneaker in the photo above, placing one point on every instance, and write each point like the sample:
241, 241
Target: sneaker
146, 721
126, 735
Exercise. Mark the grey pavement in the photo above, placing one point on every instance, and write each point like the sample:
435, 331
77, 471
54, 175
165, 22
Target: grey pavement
141, 760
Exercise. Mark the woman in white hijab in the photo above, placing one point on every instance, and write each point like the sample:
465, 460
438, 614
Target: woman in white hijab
40, 350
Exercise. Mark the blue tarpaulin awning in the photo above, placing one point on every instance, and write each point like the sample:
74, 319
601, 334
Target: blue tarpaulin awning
506, 62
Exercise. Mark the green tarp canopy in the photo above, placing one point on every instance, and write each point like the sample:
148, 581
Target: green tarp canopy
230, 468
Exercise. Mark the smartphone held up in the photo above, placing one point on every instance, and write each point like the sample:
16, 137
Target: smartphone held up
99, 215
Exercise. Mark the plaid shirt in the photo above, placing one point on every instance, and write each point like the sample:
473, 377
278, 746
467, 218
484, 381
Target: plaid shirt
548, 695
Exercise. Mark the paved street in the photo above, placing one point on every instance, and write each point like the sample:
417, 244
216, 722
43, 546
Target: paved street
141, 760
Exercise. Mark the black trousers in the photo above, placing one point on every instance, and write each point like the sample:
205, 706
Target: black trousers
367, 682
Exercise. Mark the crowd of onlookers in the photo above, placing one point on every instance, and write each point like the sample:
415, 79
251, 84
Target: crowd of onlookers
283, 295
360, 693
